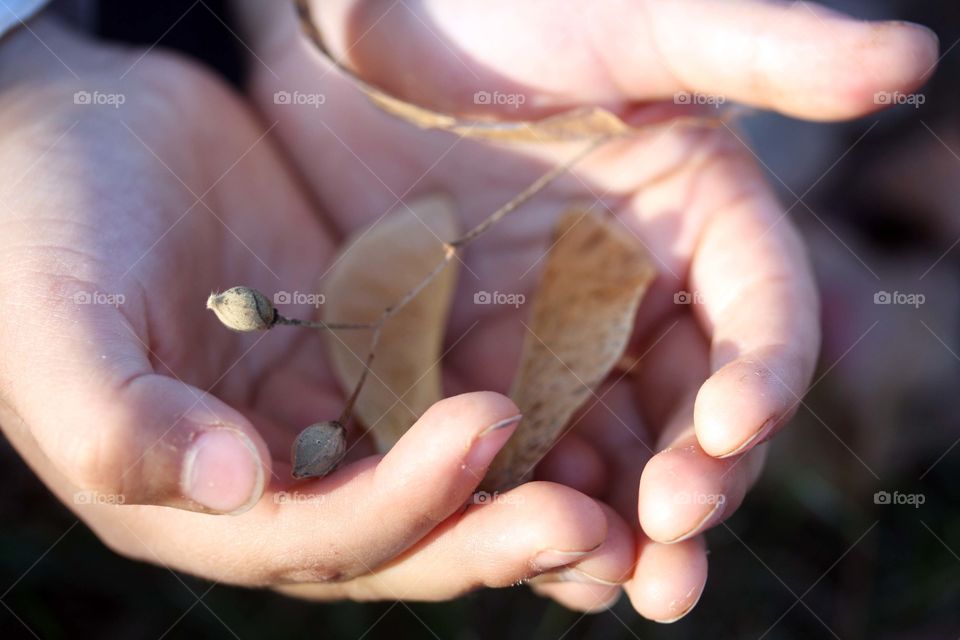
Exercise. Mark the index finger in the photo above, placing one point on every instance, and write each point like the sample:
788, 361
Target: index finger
758, 303
797, 58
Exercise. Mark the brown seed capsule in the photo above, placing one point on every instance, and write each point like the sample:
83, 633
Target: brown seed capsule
319, 449
243, 309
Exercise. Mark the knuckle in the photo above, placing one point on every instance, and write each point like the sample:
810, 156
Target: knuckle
94, 459
310, 569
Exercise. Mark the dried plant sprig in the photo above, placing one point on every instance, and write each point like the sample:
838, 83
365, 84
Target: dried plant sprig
320, 448
244, 309
453, 250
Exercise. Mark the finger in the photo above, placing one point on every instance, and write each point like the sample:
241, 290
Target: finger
684, 491
593, 584
116, 427
675, 363
588, 598
800, 59
758, 303
668, 580
439, 462
574, 462
613, 426
535, 528
337, 527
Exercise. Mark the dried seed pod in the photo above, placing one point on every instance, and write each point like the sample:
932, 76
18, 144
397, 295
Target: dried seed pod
319, 449
243, 309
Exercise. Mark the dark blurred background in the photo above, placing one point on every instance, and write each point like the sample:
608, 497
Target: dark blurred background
814, 552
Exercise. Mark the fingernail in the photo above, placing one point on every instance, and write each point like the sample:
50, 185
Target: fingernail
222, 471
490, 441
572, 574
551, 558
685, 611
755, 438
717, 508
916, 26
501, 424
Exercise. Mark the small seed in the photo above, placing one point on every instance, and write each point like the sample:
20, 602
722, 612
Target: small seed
243, 309
319, 449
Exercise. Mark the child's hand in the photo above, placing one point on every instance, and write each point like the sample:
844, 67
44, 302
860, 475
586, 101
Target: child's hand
725, 364
121, 208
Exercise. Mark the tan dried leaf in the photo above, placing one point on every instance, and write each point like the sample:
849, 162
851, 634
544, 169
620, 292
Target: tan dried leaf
577, 124
582, 318
377, 267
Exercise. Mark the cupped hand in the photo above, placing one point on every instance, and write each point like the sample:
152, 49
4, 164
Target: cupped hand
134, 185
728, 337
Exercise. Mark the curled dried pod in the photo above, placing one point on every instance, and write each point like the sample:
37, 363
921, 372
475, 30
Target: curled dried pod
319, 449
243, 309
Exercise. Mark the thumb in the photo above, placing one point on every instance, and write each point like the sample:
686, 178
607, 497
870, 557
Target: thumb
118, 431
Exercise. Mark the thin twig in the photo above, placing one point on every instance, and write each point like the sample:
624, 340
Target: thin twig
317, 324
538, 185
452, 250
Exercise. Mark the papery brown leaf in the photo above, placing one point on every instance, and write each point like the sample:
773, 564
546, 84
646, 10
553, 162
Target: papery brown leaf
373, 272
577, 124
582, 319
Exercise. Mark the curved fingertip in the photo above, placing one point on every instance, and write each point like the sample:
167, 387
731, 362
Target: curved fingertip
224, 472
612, 562
592, 583
681, 494
740, 405
900, 57
669, 579
586, 598
581, 521
456, 438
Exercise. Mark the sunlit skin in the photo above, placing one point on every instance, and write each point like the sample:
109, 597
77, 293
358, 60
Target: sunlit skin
108, 398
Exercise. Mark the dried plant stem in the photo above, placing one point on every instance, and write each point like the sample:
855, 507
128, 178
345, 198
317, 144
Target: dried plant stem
325, 326
538, 185
453, 249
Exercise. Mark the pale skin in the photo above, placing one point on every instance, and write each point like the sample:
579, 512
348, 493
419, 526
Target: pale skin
108, 398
